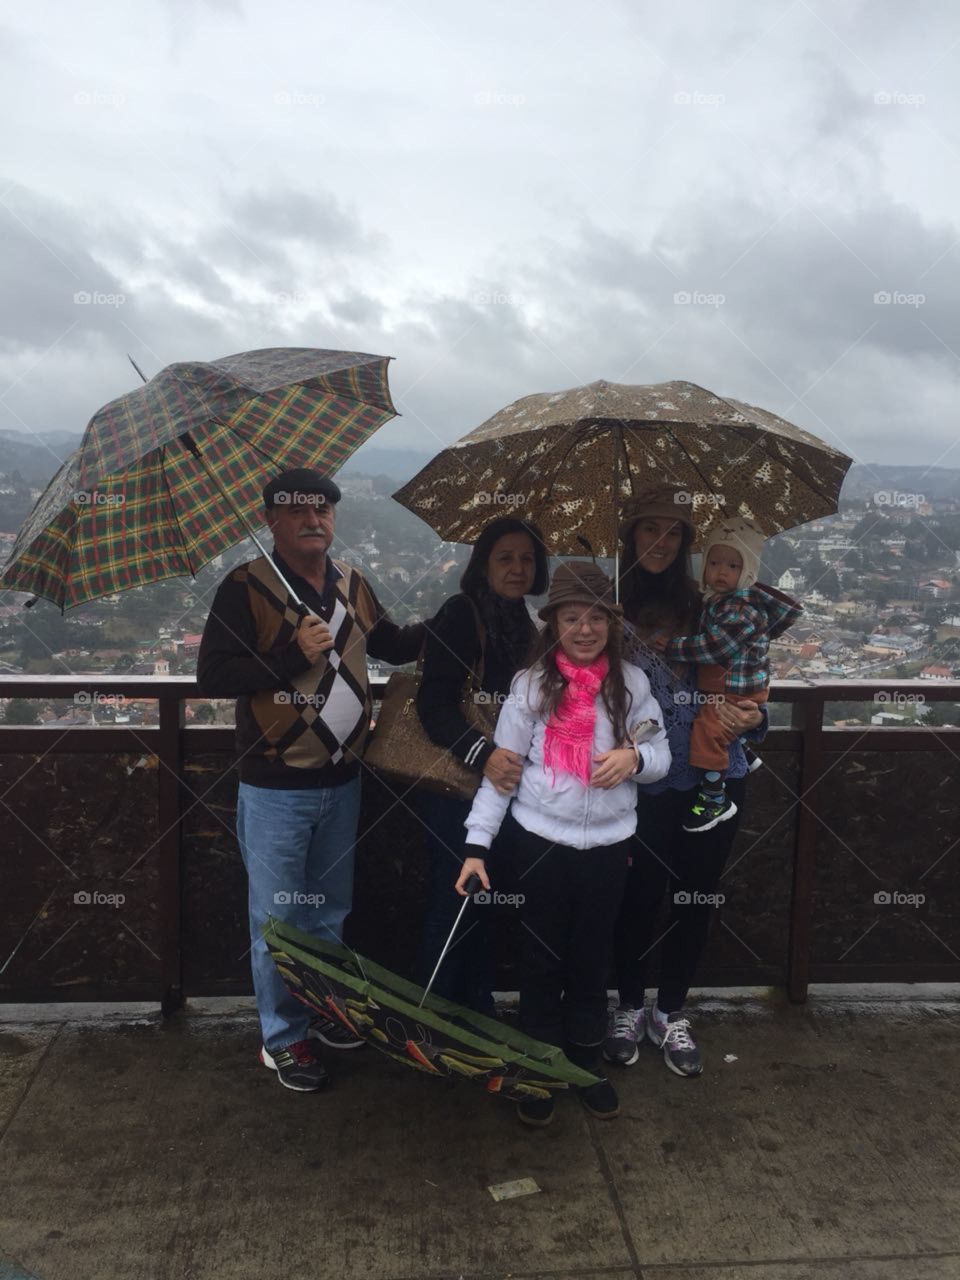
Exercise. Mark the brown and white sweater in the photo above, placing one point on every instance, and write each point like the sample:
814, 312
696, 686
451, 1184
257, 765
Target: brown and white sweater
298, 725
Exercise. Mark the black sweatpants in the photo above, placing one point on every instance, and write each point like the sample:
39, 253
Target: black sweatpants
571, 897
668, 861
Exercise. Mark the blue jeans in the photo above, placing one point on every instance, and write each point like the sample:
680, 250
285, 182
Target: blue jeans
298, 849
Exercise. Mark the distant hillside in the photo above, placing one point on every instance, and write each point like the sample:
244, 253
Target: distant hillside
864, 480
34, 459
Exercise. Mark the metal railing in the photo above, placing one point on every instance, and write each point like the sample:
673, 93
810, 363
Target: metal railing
173, 745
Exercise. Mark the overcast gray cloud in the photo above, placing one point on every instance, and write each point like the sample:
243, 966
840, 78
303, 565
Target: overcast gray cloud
758, 197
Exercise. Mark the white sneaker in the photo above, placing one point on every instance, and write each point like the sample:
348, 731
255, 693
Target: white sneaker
671, 1032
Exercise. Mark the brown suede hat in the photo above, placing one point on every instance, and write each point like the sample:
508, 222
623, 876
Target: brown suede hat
580, 582
671, 502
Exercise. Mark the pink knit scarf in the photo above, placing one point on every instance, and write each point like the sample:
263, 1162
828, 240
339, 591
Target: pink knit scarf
568, 741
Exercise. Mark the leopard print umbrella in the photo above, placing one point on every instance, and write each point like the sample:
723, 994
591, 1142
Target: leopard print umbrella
572, 460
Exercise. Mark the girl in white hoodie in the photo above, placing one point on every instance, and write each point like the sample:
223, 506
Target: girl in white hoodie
588, 730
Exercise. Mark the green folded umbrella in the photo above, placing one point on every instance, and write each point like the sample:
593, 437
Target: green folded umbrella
170, 475
439, 1038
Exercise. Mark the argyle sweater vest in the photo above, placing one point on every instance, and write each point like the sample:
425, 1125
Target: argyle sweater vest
321, 718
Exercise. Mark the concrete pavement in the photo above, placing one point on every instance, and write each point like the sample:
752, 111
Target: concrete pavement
134, 1149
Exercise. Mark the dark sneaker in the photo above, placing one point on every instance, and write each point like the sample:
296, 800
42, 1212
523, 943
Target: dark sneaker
624, 1033
297, 1067
671, 1032
332, 1033
535, 1112
707, 811
600, 1099
753, 760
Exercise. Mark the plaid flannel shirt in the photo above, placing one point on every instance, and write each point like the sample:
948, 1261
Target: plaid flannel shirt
735, 633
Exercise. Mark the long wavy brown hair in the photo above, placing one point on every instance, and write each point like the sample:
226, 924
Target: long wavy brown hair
651, 600
617, 698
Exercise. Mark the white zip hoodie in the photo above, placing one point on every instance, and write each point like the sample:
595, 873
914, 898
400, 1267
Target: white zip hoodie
563, 809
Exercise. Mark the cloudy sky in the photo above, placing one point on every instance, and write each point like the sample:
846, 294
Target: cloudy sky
761, 197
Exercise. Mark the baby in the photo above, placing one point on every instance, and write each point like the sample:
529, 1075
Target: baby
739, 617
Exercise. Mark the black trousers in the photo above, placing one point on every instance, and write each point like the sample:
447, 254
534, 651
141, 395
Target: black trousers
571, 897
668, 861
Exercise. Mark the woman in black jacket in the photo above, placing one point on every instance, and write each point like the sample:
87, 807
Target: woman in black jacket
508, 563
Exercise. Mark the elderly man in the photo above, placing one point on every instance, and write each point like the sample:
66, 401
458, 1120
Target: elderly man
303, 712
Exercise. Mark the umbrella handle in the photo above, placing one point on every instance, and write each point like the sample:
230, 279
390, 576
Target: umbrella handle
472, 885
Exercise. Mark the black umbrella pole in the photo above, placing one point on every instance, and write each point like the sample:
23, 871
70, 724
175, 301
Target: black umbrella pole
472, 885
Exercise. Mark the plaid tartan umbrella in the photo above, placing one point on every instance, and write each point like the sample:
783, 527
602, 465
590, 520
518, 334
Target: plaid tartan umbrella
440, 1038
572, 460
166, 476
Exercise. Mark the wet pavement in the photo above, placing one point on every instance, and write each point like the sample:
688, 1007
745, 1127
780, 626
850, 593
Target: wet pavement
820, 1143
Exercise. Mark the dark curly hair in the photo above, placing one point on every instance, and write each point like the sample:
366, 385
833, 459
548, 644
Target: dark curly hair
617, 698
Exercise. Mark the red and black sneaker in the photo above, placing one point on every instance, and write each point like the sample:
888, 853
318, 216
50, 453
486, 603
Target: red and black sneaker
297, 1067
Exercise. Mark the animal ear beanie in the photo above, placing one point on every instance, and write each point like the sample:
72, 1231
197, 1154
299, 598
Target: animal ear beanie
743, 536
